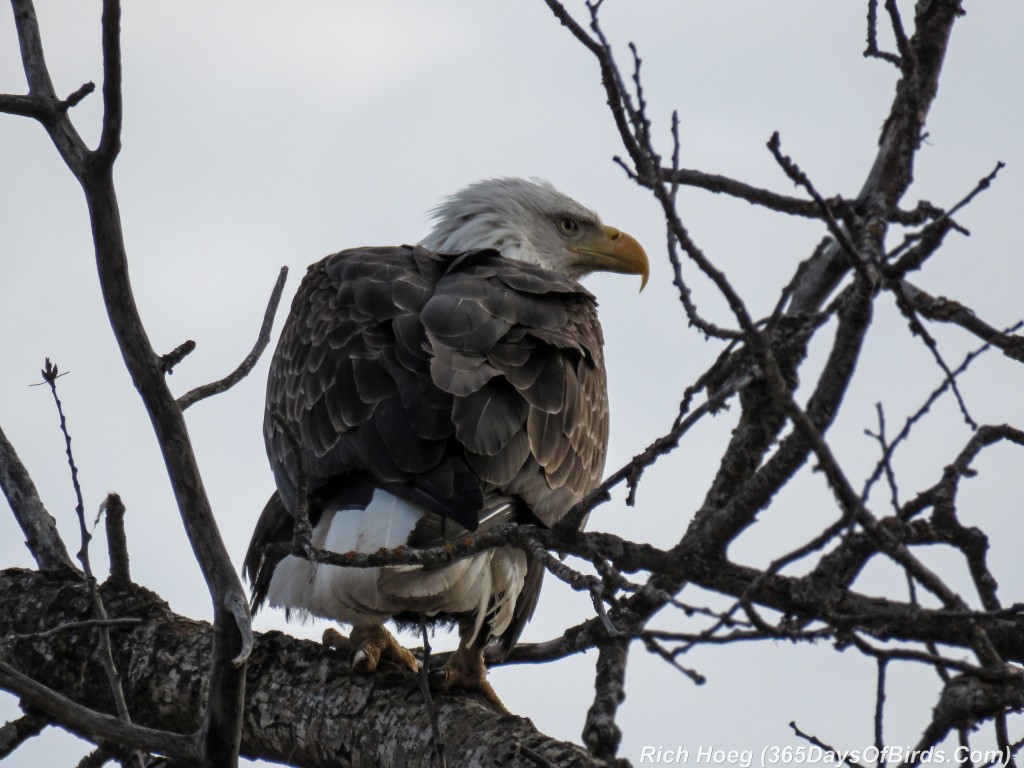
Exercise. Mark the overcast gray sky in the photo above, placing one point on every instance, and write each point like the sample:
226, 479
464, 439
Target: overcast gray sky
261, 134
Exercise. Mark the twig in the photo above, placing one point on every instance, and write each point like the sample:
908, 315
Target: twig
819, 743
797, 176
937, 661
908, 60
718, 184
709, 329
263, 339
946, 310
50, 375
882, 663
1003, 741
885, 462
655, 647
872, 51
930, 646
908, 425
908, 311
450, 551
113, 104
74, 625
930, 238
176, 355
424, 683
75, 98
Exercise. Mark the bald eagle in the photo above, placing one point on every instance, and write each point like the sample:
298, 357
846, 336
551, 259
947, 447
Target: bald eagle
435, 390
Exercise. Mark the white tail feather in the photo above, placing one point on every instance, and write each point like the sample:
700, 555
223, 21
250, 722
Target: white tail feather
365, 596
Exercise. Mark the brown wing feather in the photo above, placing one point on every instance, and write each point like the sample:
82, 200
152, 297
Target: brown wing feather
519, 348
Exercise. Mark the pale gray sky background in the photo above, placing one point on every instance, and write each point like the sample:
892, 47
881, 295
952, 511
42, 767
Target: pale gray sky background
259, 134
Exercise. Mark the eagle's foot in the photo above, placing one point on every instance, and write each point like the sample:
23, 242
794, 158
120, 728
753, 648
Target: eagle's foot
465, 670
369, 646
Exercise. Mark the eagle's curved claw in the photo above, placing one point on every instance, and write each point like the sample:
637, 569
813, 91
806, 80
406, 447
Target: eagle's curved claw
465, 670
369, 646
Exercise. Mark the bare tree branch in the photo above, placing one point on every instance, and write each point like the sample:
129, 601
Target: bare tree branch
94, 170
945, 310
90, 724
872, 50
176, 355
17, 732
49, 112
117, 543
215, 388
601, 734
39, 527
793, 206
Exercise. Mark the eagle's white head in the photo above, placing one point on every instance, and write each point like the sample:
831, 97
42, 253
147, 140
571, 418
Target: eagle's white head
531, 221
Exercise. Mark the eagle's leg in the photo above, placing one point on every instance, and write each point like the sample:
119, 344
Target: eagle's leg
369, 646
465, 669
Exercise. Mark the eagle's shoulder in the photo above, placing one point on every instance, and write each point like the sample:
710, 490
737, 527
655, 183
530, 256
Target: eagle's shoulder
519, 348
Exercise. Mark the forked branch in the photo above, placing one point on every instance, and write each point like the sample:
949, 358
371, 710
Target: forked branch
94, 170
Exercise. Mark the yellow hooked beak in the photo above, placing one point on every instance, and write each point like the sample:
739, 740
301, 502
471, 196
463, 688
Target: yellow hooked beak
612, 250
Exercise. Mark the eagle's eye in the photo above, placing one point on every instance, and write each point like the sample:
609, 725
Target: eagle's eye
568, 226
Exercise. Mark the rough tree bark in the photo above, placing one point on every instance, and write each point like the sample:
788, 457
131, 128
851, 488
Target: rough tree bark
302, 705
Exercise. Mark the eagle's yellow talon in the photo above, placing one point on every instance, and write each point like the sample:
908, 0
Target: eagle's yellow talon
465, 670
369, 646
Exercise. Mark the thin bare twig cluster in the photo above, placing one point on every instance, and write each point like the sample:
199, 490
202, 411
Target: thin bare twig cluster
776, 436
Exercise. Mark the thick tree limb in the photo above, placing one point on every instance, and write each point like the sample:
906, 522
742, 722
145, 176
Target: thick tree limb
303, 706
